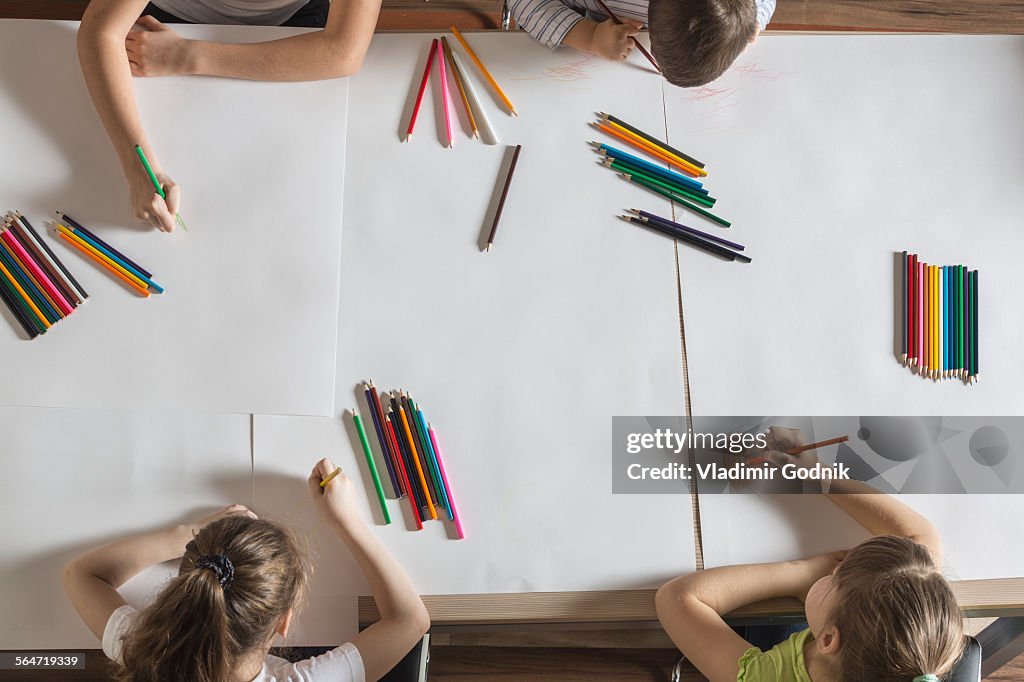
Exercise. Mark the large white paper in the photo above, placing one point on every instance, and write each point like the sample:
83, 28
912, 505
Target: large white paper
75, 479
831, 154
248, 320
520, 356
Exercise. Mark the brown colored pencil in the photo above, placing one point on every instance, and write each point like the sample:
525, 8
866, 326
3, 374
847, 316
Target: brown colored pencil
454, 68
504, 193
643, 50
819, 444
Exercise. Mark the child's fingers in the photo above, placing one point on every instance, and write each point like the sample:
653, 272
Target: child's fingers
629, 29
173, 193
159, 215
240, 509
321, 470
149, 23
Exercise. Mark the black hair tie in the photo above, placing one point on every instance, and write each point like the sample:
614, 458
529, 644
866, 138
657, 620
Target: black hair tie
219, 564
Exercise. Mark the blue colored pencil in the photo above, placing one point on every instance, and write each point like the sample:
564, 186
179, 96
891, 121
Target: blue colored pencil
113, 255
78, 226
441, 488
651, 167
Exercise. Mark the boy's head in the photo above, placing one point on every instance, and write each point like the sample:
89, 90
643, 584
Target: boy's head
695, 41
886, 614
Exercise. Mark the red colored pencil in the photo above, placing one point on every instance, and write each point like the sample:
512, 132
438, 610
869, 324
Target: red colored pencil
405, 477
910, 309
423, 88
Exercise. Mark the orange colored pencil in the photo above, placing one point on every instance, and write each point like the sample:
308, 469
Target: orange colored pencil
21, 292
416, 461
104, 257
678, 159
646, 148
84, 248
485, 72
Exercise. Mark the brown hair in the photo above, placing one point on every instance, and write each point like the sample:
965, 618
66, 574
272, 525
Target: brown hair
695, 41
896, 615
196, 630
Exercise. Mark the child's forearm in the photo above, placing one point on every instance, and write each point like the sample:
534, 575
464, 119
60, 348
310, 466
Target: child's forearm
119, 561
727, 588
581, 35
883, 514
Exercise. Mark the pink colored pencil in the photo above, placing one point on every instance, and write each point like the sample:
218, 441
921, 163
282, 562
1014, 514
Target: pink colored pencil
59, 299
444, 93
423, 87
447, 486
920, 314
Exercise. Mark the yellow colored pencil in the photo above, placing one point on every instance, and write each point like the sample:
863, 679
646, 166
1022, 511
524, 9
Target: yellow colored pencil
678, 160
454, 68
485, 72
416, 461
21, 292
330, 477
77, 242
106, 259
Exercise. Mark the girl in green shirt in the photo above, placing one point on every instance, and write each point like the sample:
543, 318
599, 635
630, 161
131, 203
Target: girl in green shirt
881, 611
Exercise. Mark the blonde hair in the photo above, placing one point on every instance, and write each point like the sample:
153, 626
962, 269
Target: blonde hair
207, 618
897, 616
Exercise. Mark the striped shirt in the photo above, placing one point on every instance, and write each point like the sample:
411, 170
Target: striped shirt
259, 12
549, 20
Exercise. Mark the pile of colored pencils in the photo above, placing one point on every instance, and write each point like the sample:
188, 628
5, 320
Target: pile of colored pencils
34, 284
476, 115
412, 455
103, 254
698, 239
939, 313
678, 182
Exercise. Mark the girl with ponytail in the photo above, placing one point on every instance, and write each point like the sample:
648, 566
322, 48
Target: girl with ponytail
240, 581
880, 612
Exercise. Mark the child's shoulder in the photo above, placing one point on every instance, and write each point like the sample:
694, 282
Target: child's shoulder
784, 662
342, 664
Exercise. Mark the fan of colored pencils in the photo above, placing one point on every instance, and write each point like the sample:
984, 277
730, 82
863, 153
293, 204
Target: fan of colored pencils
939, 319
476, 115
125, 270
34, 284
411, 451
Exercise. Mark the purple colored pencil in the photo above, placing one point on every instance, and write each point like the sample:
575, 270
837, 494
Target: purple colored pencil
695, 232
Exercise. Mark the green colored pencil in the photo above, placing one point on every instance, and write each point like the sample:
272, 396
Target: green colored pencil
156, 183
373, 467
672, 187
676, 198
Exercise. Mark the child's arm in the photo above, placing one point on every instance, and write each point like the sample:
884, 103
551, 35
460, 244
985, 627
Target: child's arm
607, 39
403, 618
879, 513
336, 51
107, 73
691, 607
554, 23
91, 580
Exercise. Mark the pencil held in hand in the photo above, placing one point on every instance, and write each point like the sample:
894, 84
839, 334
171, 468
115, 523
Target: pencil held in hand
156, 183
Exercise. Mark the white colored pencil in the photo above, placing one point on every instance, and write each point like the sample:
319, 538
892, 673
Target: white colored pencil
485, 123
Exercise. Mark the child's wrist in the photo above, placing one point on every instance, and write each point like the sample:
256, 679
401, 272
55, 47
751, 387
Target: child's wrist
581, 35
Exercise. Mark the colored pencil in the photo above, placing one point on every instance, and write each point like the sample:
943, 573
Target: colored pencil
441, 488
81, 292
444, 93
428, 469
372, 467
819, 444
54, 275
504, 195
379, 430
933, 303
487, 74
423, 88
143, 279
485, 123
386, 444
695, 232
663, 174
64, 229
416, 460
330, 477
24, 279
672, 187
960, 303
688, 239
85, 232
975, 349
646, 148
653, 140
645, 165
919, 336
81, 246
955, 332
18, 309
639, 46
53, 299
943, 337
936, 335
968, 326
457, 75
903, 308
676, 198
156, 183
447, 484
14, 284
679, 161
410, 495
398, 438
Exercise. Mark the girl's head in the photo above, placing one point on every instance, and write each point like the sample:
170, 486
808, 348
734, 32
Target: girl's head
886, 614
236, 587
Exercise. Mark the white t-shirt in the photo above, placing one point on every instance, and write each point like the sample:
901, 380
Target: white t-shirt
337, 665
261, 12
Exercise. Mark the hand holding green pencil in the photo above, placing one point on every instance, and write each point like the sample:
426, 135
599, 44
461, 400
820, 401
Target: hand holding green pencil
147, 205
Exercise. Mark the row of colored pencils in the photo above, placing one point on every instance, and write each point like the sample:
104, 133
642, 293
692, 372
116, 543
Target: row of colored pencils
442, 52
127, 271
412, 456
939, 314
34, 284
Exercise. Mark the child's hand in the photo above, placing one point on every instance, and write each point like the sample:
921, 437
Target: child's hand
148, 206
612, 40
155, 50
336, 500
779, 440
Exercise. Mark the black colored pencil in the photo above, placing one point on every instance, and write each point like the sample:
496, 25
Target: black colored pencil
695, 242
691, 230
653, 140
9, 298
78, 226
504, 194
379, 428
428, 472
74, 282
974, 324
415, 489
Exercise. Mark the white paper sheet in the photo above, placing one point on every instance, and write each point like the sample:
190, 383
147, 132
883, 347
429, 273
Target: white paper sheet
830, 154
248, 320
75, 479
520, 356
